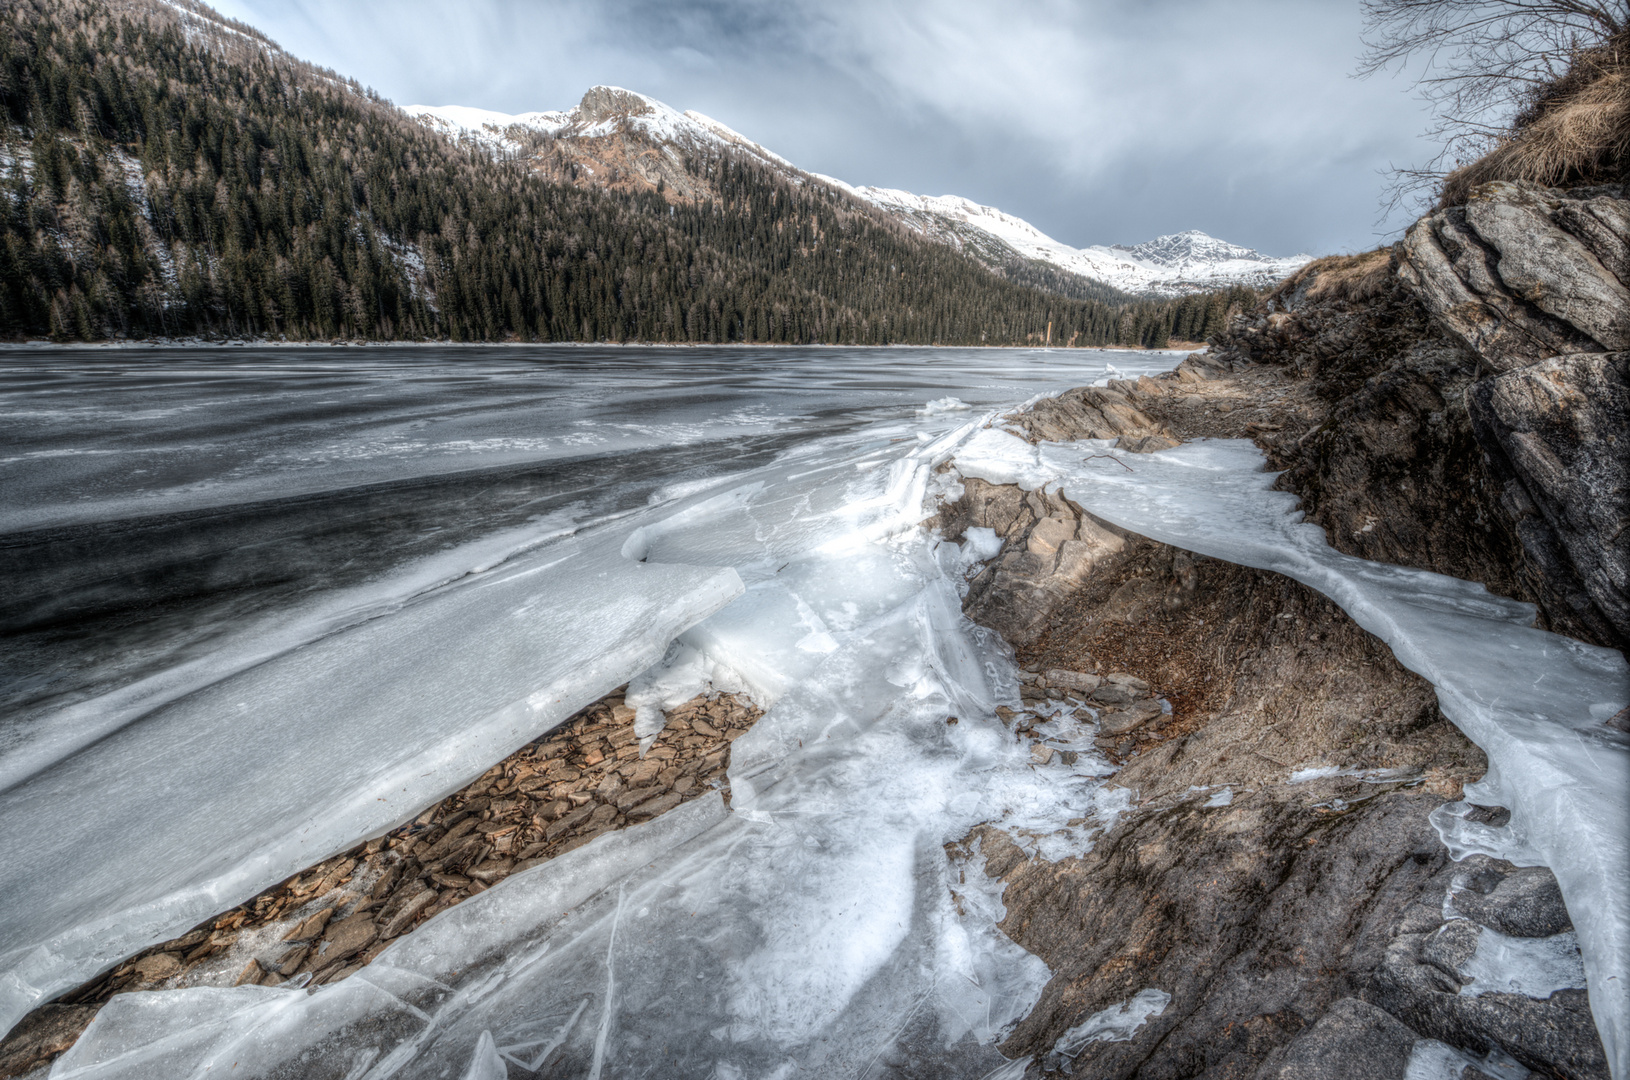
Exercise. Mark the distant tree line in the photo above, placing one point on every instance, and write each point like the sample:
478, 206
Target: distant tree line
157, 182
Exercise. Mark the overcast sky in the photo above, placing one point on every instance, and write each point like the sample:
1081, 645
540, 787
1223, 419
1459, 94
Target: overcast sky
1099, 121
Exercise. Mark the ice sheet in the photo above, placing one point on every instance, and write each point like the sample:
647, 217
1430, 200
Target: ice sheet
816, 925
1537, 967
185, 811
1535, 702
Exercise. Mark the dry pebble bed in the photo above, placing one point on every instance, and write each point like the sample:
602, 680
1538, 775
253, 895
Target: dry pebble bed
585, 778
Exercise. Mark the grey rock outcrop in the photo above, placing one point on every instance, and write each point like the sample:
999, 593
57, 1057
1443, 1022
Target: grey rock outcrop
1557, 433
1520, 273
1095, 412
1353, 1041
1536, 283
1421, 978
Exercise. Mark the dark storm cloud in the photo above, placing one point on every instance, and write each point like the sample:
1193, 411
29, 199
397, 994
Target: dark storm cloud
1099, 122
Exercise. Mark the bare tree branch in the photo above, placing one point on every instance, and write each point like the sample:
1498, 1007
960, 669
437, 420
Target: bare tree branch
1481, 63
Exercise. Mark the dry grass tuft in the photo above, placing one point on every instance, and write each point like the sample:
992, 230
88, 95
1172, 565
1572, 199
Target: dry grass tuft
1353, 278
1577, 132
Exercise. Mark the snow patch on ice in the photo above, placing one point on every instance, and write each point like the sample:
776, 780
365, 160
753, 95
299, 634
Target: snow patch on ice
944, 405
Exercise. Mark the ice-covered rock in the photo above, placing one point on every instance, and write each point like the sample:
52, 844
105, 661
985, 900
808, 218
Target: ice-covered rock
1535, 702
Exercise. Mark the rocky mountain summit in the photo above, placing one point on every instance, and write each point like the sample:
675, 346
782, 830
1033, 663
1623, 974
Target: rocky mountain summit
613, 138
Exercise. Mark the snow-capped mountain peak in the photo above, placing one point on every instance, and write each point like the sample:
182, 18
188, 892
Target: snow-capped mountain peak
605, 111
605, 140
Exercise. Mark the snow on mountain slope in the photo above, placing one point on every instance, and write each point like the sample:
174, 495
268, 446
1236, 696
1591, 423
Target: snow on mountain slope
608, 140
1167, 266
493, 129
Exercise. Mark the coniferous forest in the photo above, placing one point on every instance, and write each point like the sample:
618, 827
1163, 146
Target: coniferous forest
167, 173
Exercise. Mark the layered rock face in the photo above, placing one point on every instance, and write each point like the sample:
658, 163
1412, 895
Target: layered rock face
1477, 402
1536, 284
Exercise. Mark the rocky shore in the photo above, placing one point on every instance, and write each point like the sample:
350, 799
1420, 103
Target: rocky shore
1277, 903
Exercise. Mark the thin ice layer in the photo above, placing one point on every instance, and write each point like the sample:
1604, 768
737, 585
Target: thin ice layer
193, 807
815, 926
1534, 702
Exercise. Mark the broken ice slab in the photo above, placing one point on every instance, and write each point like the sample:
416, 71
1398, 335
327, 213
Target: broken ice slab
205, 801
1534, 702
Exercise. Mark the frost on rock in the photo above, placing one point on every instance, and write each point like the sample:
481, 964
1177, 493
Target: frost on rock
1534, 702
1114, 1024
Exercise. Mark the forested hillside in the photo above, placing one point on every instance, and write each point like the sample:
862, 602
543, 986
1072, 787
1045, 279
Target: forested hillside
170, 173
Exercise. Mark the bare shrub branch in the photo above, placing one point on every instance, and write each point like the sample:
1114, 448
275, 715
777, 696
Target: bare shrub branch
1483, 64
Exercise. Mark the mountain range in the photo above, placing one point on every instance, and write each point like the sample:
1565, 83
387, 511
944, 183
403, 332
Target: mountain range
187, 178
625, 140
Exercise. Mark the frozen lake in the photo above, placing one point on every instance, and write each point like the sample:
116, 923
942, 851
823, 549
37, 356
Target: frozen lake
263, 604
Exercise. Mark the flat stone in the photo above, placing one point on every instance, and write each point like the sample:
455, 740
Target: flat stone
345, 939
1131, 682
251, 975
656, 806
635, 796
1042, 754
492, 871
1073, 680
569, 822
157, 967
1129, 717
408, 913
1113, 694
310, 926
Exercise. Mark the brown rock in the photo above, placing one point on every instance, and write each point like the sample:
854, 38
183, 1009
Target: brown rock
1113, 694
310, 926
635, 796
251, 975
492, 871
157, 967
345, 939
655, 807
41, 1036
569, 822
1134, 715
292, 960
408, 912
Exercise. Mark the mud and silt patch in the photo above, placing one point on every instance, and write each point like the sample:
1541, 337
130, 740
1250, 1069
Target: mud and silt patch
584, 778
